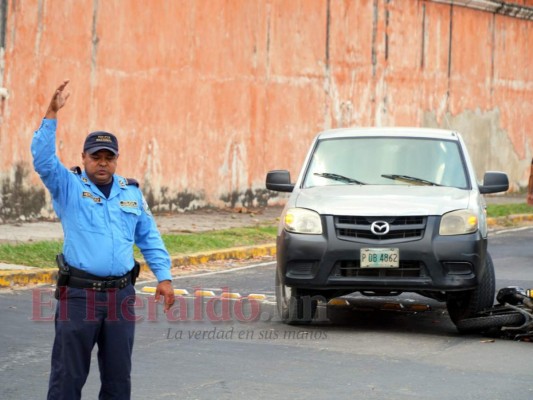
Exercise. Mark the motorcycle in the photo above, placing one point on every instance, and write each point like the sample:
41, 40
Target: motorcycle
511, 318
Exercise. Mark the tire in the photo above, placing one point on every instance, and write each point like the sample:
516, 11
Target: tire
483, 323
293, 307
467, 304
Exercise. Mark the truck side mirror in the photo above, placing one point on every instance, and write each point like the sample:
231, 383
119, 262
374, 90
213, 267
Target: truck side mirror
279, 180
494, 182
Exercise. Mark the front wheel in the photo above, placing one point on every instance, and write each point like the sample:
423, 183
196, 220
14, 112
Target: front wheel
293, 307
467, 304
498, 319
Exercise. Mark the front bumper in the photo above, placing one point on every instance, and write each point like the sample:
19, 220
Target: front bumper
428, 262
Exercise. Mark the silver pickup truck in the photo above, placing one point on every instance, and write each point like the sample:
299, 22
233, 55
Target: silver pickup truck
383, 211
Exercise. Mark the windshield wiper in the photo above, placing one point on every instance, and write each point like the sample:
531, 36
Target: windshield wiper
337, 177
410, 179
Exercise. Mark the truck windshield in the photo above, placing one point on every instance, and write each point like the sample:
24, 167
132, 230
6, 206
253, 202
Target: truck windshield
387, 161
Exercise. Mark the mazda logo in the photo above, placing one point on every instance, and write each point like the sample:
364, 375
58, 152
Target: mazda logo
379, 228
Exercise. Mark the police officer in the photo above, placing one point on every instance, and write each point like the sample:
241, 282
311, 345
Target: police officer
102, 215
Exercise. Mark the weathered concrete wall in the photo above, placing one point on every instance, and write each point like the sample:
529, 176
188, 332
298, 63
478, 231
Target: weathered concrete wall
206, 96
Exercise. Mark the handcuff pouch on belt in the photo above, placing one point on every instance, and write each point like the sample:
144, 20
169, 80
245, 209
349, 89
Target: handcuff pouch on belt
63, 275
135, 272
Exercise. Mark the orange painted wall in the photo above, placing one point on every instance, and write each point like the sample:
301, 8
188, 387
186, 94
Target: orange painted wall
206, 96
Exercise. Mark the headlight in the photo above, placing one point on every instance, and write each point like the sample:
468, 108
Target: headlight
458, 222
302, 220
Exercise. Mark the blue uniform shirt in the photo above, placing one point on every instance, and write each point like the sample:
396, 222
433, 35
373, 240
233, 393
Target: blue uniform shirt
99, 232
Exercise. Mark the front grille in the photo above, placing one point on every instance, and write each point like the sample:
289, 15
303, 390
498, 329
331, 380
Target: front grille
407, 269
357, 228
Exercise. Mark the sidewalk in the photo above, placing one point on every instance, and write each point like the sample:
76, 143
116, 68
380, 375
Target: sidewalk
187, 222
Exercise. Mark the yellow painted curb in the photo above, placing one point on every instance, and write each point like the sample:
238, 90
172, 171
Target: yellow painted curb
510, 219
11, 278
521, 217
27, 277
238, 253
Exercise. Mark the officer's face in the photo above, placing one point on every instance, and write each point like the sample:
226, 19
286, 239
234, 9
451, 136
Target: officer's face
100, 166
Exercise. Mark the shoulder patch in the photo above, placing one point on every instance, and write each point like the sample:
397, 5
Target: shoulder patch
146, 207
131, 181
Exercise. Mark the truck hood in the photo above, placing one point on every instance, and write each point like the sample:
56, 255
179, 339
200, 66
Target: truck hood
383, 200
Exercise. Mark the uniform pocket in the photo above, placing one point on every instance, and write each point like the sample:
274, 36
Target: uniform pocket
130, 216
91, 216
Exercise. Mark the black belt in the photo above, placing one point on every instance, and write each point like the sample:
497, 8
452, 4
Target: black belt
83, 280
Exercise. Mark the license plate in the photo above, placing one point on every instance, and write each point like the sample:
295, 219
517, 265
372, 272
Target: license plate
380, 258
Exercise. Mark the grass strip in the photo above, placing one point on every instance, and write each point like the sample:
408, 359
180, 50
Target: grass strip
504, 210
33, 254
42, 254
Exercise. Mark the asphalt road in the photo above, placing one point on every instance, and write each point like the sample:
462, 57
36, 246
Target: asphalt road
241, 351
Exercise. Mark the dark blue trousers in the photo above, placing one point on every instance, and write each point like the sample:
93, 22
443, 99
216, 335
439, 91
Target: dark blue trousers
85, 317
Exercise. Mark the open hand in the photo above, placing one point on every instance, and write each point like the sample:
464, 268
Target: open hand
59, 99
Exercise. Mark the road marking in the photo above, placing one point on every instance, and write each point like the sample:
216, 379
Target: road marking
510, 230
256, 296
211, 293
175, 278
177, 292
338, 302
204, 293
228, 295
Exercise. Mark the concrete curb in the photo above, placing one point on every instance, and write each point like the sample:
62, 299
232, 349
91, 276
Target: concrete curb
509, 220
35, 276
11, 278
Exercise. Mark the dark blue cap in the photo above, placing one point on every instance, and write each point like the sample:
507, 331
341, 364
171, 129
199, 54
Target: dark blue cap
100, 140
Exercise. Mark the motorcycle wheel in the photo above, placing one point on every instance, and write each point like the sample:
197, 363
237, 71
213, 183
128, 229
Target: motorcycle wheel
490, 321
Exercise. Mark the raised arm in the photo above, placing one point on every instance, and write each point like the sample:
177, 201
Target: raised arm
59, 99
43, 147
